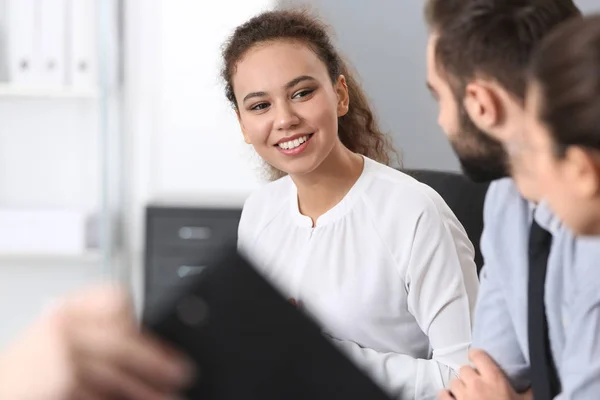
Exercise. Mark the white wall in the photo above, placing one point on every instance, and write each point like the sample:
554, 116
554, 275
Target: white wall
588, 6
199, 148
185, 141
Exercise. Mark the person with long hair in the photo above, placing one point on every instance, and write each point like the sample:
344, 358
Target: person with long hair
375, 257
563, 120
560, 149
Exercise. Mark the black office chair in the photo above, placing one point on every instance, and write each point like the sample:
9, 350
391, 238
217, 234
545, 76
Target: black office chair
464, 197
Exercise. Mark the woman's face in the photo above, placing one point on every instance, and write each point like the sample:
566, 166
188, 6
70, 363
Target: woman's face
565, 183
288, 108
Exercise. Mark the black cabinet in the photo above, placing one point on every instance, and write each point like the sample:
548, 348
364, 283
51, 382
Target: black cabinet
180, 241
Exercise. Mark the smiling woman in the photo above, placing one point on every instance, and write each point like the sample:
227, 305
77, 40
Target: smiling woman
358, 128
377, 258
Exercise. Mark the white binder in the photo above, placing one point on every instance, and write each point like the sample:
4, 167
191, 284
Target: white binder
21, 38
52, 39
82, 42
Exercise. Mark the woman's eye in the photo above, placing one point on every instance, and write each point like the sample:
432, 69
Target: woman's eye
259, 107
302, 93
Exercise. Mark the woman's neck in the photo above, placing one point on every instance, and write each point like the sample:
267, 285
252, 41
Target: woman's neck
323, 188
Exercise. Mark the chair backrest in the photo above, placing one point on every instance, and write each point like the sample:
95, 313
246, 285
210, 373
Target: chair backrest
464, 197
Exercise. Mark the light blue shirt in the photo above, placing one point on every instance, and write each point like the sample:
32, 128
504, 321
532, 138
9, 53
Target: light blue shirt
572, 295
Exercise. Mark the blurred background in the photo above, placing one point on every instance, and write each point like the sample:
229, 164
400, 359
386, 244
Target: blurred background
120, 158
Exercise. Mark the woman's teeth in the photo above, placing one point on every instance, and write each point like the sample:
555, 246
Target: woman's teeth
292, 144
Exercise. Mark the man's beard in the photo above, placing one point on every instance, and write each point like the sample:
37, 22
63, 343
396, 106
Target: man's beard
482, 158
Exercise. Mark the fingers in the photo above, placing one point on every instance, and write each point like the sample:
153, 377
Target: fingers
484, 364
445, 395
150, 360
135, 355
105, 381
113, 353
457, 388
101, 304
467, 374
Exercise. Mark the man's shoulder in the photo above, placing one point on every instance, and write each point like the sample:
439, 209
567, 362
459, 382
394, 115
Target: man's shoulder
503, 200
506, 220
504, 190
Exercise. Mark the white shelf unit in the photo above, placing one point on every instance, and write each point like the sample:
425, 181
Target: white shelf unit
59, 141
8, 91
85, 258
60, 149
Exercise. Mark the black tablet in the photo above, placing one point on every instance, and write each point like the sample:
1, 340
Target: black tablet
250, 343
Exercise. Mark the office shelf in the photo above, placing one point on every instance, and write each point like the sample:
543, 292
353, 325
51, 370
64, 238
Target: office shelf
18, 91
85, 258
61, 141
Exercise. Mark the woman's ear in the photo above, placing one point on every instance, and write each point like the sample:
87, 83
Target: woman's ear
341, 88
482, 105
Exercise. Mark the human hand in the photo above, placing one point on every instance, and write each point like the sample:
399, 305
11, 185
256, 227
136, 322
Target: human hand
89, 348
484, 382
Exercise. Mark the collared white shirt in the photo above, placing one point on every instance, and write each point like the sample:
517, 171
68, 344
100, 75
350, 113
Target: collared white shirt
388, 273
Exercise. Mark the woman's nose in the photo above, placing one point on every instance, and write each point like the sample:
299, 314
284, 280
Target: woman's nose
286, 117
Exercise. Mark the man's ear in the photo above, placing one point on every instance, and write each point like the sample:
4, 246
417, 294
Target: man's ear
341, 88
583, 169
239, 118
483, 105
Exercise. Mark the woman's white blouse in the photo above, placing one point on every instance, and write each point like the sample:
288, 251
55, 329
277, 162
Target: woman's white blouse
388, 273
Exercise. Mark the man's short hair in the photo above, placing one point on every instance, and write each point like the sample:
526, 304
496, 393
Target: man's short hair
492, 39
